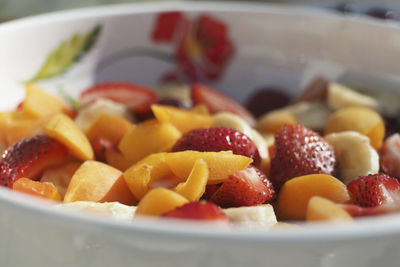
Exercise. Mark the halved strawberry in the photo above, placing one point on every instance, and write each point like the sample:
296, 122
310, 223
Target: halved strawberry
210, 190
218, 139
218, 102
100, 145
200, 210
247, 187
29, 158
135, 98
374, 190
389, 156
299, 151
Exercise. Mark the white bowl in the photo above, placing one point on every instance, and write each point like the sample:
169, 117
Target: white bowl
273, 45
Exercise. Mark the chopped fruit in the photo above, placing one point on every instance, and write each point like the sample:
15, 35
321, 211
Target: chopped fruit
374, 190
98, 182
115, 159
316, 90
63, 128
299, 151
340, 96
201, 109
108, 126
183, 120
160, 201
266, 99
218, 139
221, 164
312, 115
364, 120
148, 138
247, 187
274, 120
135, 98
39, 103
322, 209
295, 194
200, 210
261, 215
100, 146
45, 190
210, 190
358, 211
229, 120
390, 156
29, 158
218, 102
195, 185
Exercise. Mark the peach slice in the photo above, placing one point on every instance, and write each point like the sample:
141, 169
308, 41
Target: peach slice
195, 185
111, 127
364, 120
201, 109
98, 182
159, 201
39, 103
220, 164
183, 120
145, 139
274, 120
295, 194
64, 129
44, 190
322, 209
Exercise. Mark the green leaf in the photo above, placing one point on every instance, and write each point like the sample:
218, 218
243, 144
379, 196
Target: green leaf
68, 52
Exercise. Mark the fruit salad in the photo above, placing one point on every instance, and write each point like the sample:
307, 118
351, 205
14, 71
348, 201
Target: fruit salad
191, 152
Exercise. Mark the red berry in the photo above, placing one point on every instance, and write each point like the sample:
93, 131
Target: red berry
374, 190
100, 145
210, 190
247, 187
299, 151
266, 99
218, 139
389, 156
201, 210
29, 158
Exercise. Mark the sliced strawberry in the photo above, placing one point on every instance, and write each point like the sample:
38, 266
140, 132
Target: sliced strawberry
210, 190
374, 190
135, 98
201, 210
218, 139
389, 156
358, 211
218, 102
100, 145
299, 151
247, 187
29, 158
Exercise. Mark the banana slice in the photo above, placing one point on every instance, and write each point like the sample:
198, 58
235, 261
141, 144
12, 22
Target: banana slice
340, 96
176, 91
313, 115
262, 215
226, 119
355, 155
262, 147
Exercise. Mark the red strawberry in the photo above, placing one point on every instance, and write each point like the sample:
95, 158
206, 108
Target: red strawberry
299, 151
358, 211
29, 158
218, 139
218, 102
201, 210
210, 190
135, 98
389, 156
100, 145
247, 187
374, 190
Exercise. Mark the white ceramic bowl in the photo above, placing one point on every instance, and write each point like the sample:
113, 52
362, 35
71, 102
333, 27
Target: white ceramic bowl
273, 45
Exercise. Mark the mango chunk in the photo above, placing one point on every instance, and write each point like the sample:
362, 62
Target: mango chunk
322, 209
295, 194
64, 129
111, 127
183, 120
98, 182
39, 189
220, 164
39, 103
195, 185
146, 139
159, 201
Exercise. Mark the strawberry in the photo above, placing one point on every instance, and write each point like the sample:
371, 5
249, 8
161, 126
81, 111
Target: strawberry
374, 190
100, 145
29, 158
358, 211
218, 139
218, 102
200, 210
135, 98
210, 190
389, 156
247, 187
299, 151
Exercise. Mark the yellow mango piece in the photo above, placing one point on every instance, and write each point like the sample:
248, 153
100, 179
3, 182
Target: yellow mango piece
201, 109
64, 129
220, 164
322, 209
274, 120
39, 103
159, 201
146, 139
195, 185
183, 120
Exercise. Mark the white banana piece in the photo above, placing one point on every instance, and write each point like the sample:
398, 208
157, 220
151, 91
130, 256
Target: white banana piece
256, 216
340, 96
355, 155
313, 115
175, 91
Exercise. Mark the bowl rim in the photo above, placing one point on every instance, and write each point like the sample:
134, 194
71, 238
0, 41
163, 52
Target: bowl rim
367, 228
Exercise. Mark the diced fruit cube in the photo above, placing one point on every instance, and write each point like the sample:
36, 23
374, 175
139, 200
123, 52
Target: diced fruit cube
44, 190
115, 159
200, 210
322, 209
274, 120
260, 215
108, 126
